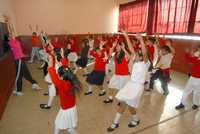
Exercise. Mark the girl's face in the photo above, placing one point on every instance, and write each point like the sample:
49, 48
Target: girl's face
138, 57
163, 52
98, 51
118, 48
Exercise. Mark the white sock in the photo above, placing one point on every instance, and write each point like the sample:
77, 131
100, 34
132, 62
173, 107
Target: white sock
110, 97
50, 101
117, 117
89, 88
135, 117
72, 131
56, 131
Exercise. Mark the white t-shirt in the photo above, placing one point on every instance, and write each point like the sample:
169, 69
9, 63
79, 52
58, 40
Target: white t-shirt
139, 72
165, 61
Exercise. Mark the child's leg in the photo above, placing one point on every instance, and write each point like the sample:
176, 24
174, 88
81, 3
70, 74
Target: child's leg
72, 131
37, 53
120, 111
134, 119
32, 55
110, 96
89, 90
153, 78
56, 130
102, 91
18, 81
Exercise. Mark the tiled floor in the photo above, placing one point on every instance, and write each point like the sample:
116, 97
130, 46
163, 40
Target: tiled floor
23, 115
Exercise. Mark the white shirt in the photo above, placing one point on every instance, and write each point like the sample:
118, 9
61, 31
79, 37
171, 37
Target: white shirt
139, 72
165, 61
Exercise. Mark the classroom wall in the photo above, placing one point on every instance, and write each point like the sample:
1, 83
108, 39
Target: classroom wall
67, 16
6, 8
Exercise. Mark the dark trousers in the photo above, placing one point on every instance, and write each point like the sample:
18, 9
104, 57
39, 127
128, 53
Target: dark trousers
22, 71
163, 79
45, 68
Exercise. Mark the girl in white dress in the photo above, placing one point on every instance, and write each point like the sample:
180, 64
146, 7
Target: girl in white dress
129, 96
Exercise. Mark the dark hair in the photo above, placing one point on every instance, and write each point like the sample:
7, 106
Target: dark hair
57, 52
34, 33
67, 74
166, 48
6, 37
66, 52
119, 56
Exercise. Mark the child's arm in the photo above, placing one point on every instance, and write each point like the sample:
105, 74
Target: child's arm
143, 47
52, 71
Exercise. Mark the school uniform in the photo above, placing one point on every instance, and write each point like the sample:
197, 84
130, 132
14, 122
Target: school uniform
67, 116
121, 76
96, 77
193, 84
133, 89
35, 48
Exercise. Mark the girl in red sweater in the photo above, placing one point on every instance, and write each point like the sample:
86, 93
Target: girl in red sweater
66, 83
96, 77
121, 76
193, 84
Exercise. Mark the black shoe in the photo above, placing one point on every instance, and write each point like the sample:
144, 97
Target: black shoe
44, 106
102, 93
148, 90
46, 94
88, 93
194, 107
110, 129
108, 100
166, 93
180, 106
133, 123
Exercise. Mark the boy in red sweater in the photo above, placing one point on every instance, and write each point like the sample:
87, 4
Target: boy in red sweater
193, 84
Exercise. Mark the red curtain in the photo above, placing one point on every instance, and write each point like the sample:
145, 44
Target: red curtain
197, 17
171, 16
133, 16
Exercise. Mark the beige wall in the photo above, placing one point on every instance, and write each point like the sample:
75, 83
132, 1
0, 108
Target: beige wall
71, 16
6, 8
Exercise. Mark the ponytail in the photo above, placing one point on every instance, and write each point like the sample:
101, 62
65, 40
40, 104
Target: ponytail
67, 74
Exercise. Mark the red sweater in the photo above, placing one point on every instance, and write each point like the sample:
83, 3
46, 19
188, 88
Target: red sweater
64, 62
195, 65
67, 98
100, 63
121, 68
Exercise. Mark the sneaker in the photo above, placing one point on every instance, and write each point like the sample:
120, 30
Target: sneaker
108, 100
44, 106
36, 87
180, 106
102, 93
194, 106
133, 123
112, 127
88, 93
